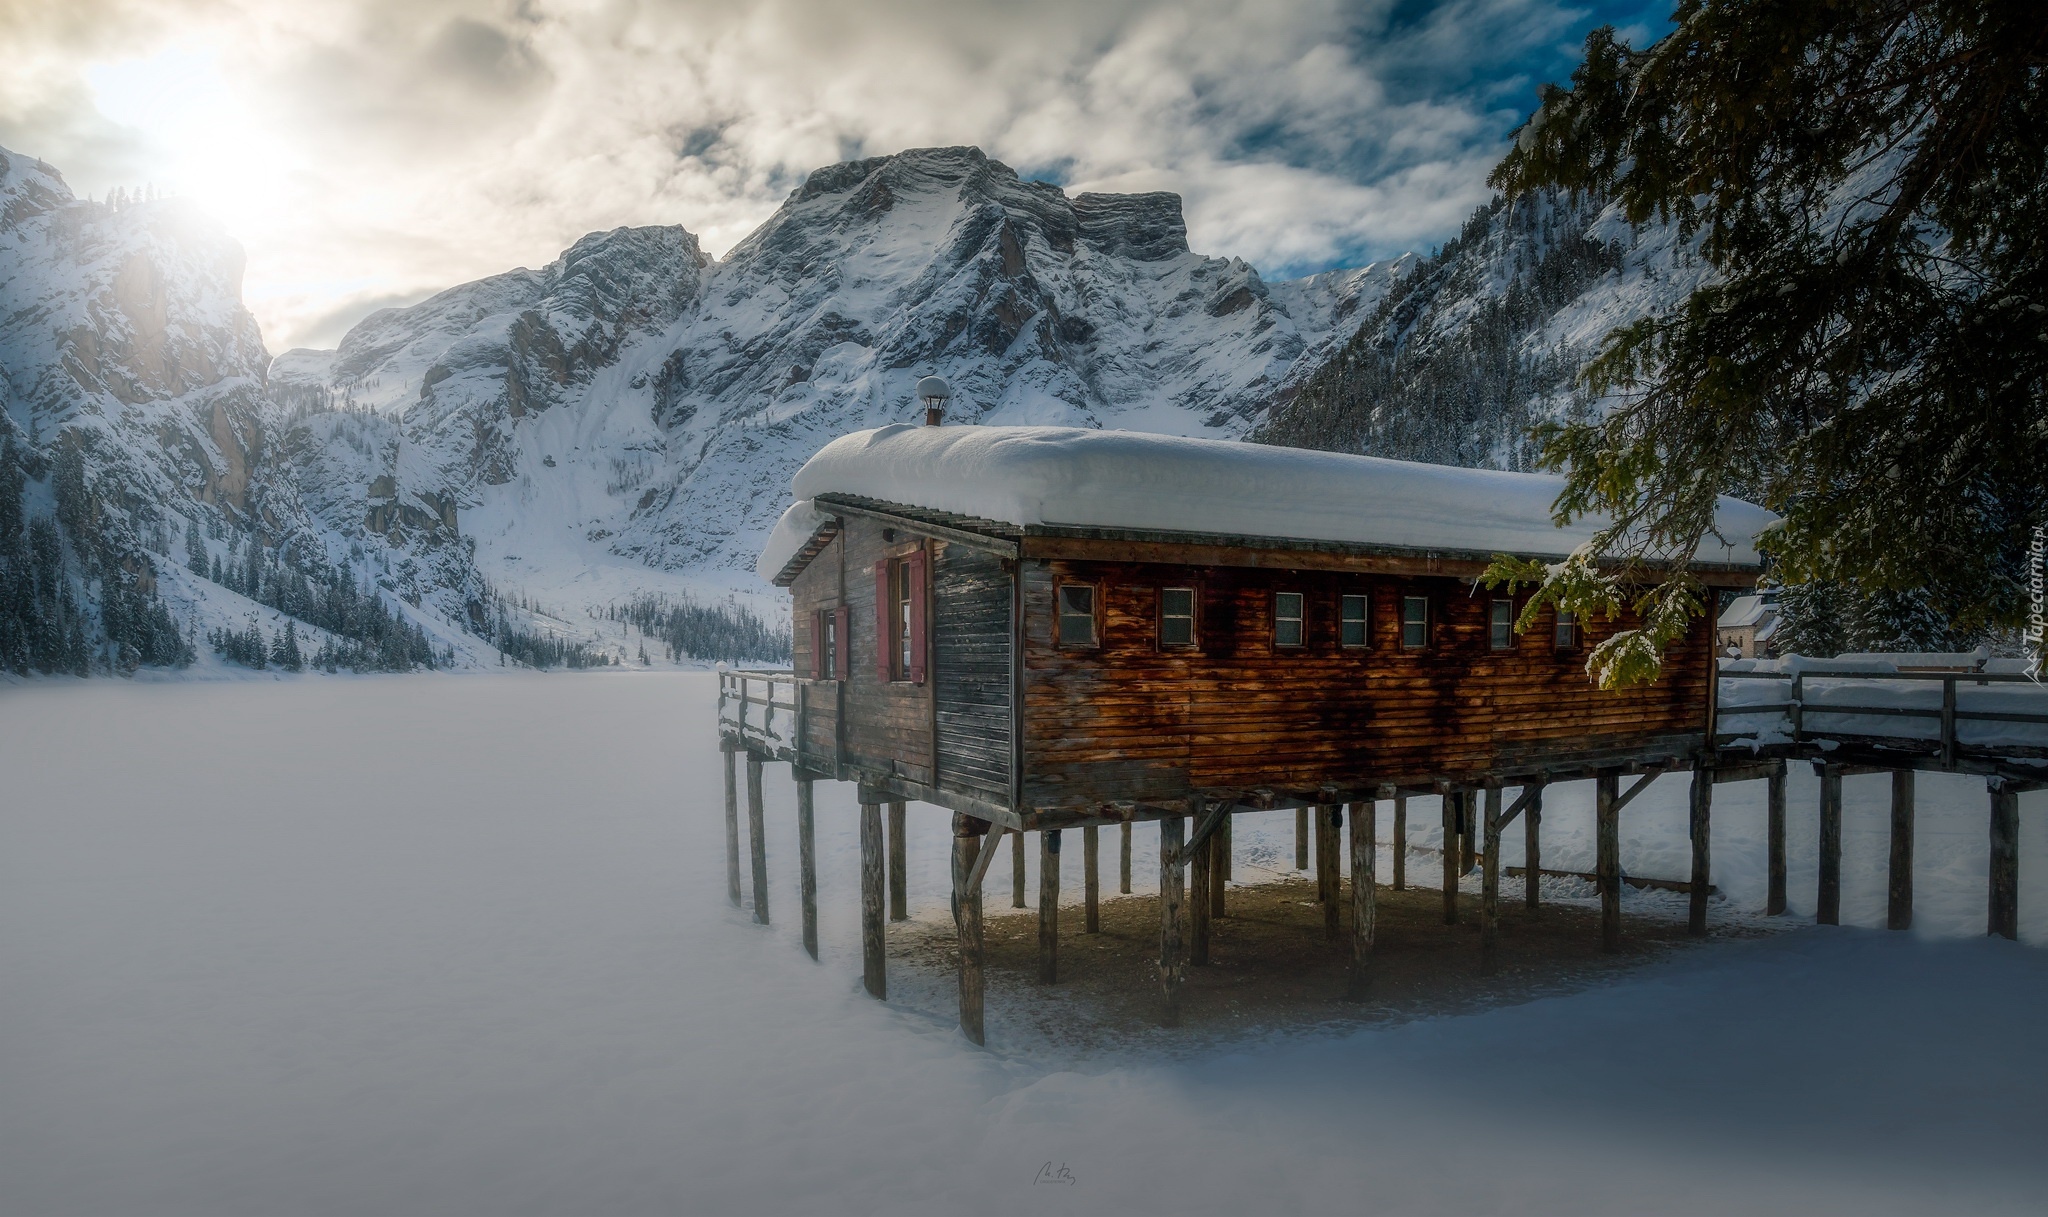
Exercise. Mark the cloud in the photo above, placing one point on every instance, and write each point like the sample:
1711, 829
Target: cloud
371, 150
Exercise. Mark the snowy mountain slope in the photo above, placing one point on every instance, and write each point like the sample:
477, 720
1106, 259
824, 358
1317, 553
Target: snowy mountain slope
631, 415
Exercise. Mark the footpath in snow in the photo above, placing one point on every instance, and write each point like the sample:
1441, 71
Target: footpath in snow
460, 944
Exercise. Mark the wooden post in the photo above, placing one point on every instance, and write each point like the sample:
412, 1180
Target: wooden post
2003, 916
1898, 914
874, 957
757, 838
1049, 906
1219, 866
967, 842
1224, 853
807, 863
1468, 833
1091, 883
1172, 832
899, 884
1329, 868
1364, 876
1123, 866
732, 827
1451, 799
1607, 863
1017, 870
1400, 840
1301, 838
1828, 910
1532, 849
1774, 831
1489, 886
1702, 810
1201, 872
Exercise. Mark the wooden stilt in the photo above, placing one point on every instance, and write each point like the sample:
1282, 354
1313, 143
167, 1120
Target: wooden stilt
807, 863
1330, 868
1607, 863
1219, 867
1774, 900
1364, 877
967, 842
899, 884
1123, 865
1301, 838
1468, 833
1172, 832
1224, 853
1091, 883
874, 957
1532, 850
1899, 902
1702, 809
732, 826
1489, 886
1049, 906
1828, 907
1451, 800
1400, 841
2003, 915
1201, 873
1017, 870
757, 838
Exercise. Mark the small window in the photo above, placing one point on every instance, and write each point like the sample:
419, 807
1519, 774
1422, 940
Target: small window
1177, 617
905, 635
1414, 622
1287, 619
1567, 631
1502, 625
1077, 615
1353, 622
828, 644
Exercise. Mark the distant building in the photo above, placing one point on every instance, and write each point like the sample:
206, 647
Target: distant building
1748, 625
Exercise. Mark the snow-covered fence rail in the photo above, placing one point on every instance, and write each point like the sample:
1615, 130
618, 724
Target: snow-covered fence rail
761, 709
1948, 713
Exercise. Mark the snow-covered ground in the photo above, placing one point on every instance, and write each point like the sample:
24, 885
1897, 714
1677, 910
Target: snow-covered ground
460, 945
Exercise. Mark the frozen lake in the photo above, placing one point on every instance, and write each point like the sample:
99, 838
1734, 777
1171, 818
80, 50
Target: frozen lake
460, 944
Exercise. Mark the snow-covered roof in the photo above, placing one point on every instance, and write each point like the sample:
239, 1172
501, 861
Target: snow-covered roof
1746, 610
1027, 476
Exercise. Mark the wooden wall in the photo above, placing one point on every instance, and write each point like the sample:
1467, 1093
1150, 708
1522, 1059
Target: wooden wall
1133, 721
971, 673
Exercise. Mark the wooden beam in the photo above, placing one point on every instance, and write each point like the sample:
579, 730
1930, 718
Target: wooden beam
757, 838
1225, 853
985, 855
2003, 913
807, 864
1329, 868
1301, 838
1468, 832
1489, 886
1171, 900
1898, 913
1400, 842
1123, 865
1607, 863
1017, 871
1219, 865
967, 871
732, 825
1364, 880
1091, 882
1049, 907
899, 884
1201, 872
1532, 850
1452, 814
1774, 831
874, 955
1701, 813
1749, 772
1828, 906
1000, 547
1640, 784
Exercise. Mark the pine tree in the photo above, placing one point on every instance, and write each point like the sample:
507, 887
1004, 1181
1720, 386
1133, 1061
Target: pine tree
214, 574
1865, 179
284, 652
195, 549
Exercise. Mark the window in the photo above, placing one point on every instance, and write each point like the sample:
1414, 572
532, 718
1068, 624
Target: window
1287, 619
905, 635
900, 591
1414, 622
1177, 617
1077, 614
1567, 631
1353, 622
824, 644
1502, 625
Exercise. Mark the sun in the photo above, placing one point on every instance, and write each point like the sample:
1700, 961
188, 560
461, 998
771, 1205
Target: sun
204, 133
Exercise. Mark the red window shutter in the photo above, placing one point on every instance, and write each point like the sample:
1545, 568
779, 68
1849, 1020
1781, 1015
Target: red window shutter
885, 637
914, 572
842, 651
817, 644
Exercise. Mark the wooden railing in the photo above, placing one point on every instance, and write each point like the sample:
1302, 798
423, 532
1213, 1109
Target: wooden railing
1799, 706
760, 708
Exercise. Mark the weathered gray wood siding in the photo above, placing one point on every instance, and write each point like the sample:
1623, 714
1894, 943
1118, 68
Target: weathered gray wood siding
971, 671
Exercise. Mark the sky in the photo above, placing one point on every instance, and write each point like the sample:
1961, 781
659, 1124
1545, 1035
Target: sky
368, 153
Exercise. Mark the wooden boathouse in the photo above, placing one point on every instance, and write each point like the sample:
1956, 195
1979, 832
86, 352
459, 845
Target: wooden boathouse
1045, 629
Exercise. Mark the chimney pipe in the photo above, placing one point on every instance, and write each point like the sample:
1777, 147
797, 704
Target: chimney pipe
934, 392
